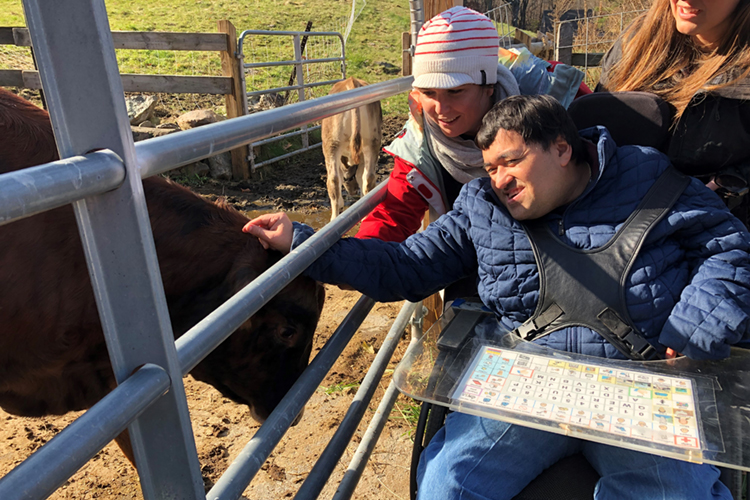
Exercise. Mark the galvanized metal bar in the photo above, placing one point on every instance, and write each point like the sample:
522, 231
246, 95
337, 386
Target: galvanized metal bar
53, 464
290, 62
288, 155
290, 134
292, 87
203, 338
416, 16
243, 77
329, 459
300, 73
161, 154
239, 474
357, 466
33, 190
73, 46
303, 33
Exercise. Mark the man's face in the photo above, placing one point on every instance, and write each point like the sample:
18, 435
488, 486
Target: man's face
529, 181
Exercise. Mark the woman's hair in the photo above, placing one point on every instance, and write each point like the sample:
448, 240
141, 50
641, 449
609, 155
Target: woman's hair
654, 53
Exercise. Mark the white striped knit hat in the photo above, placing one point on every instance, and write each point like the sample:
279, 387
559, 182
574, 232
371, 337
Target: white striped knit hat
456, 47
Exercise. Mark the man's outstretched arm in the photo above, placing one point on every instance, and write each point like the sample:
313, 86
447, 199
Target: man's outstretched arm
385, 271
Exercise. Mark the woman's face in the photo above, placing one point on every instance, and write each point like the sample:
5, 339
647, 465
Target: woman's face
704, 20
459, 110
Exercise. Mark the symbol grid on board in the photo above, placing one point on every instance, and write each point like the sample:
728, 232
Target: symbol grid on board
645, 406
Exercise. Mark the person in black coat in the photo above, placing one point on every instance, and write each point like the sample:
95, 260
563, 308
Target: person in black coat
697, 59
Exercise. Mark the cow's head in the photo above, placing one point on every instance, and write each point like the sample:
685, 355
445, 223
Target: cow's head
260, 361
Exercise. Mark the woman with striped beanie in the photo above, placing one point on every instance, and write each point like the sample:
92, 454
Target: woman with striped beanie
457, 79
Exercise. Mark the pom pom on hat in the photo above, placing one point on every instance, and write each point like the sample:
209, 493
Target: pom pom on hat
456, 47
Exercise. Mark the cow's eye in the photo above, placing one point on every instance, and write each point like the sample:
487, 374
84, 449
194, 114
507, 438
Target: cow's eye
288, 333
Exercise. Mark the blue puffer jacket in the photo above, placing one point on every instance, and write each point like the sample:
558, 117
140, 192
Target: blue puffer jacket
689, 288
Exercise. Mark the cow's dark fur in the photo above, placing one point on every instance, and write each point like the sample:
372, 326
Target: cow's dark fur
53, 358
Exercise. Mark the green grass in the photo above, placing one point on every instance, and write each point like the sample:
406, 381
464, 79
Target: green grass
338, 387
407, 411
375, 36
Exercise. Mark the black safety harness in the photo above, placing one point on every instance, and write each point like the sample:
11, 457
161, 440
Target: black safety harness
587, 287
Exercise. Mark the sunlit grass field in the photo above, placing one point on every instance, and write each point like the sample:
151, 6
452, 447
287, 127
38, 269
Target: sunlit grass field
375, 38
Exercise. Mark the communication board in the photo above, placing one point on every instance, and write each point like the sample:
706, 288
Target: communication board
630, 403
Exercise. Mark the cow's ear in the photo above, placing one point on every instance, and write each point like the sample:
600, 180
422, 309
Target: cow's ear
240, 276
188, 309
248, 265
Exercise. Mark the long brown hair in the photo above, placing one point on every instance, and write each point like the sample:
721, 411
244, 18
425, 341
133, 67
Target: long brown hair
654, 54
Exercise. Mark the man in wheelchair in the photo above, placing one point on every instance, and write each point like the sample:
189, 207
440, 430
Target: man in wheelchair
662, 262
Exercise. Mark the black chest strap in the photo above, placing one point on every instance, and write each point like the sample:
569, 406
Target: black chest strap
587, 287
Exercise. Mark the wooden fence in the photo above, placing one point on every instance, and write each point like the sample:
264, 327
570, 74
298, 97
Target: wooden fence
224, 42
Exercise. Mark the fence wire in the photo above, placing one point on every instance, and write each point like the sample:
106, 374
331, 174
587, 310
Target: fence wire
592, 36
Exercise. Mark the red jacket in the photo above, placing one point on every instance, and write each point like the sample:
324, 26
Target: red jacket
400, 214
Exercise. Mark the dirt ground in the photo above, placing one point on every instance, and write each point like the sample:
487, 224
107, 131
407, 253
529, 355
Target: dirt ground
221, 427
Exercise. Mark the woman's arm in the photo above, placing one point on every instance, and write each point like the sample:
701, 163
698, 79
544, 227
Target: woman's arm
400, 214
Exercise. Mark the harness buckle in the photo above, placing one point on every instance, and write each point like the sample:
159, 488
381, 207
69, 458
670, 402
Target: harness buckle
539, 322
527, 330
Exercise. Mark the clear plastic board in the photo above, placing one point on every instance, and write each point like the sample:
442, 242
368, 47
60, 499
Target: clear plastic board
697, 411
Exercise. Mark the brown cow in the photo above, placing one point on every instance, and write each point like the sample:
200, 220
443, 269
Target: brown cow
53, 357
351, 145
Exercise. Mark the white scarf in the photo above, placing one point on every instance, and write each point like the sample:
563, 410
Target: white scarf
461, 157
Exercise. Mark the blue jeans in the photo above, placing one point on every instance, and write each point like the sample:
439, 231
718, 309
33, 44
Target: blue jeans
473, 458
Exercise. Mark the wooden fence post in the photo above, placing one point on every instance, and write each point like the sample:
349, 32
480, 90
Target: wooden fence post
234, 101
405, 53
434, 7
522, 38
564, 43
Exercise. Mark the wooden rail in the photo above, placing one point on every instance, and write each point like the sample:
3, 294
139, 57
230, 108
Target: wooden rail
139, 40
170, 84
224, 42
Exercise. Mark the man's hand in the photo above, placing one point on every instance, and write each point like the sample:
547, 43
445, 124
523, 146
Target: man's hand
671, 354
273, 230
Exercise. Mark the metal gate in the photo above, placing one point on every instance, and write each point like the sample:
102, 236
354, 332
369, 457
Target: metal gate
73, 46
301, 61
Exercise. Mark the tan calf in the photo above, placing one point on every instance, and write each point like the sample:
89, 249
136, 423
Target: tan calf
351, 144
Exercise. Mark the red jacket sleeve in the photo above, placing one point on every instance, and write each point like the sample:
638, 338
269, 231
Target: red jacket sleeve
400, 214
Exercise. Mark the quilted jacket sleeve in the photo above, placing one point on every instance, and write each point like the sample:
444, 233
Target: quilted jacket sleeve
713, 311
387, 271
400, 214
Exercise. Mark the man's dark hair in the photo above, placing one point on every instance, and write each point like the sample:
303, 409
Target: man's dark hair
539, 119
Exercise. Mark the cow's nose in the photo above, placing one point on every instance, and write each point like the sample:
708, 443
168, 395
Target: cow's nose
299, 417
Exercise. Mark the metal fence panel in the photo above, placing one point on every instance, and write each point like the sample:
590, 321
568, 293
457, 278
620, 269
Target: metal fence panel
50, 466
330, 457
299, 62
73, 46
583, 41
123, 263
